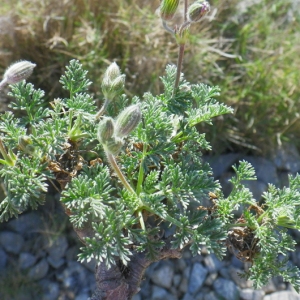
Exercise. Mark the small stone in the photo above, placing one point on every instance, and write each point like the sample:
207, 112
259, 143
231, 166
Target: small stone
188, 296
283, 295
210, 279
57, 249
187, 272
197, 278
226, 289
211, 296
212, 263
159, 293
11, 242
163, 276
180, 265
183, 287
39, 271
237, 263
26, 260
54, 262
224, 272
82, 297
50, 290
74, 277
249, 294
200, 296
176, 280
26, 223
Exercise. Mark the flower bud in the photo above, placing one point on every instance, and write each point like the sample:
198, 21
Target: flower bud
168, 9
112, 72
182, 34
113, 145
17, 72
197, 10
127, 120
105, 130
113, 81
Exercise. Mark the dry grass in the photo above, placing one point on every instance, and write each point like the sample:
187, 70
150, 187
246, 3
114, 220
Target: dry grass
251, 52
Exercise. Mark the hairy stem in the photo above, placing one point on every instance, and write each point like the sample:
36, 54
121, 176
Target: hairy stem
119, 173
102, 109
122, 178
179, 66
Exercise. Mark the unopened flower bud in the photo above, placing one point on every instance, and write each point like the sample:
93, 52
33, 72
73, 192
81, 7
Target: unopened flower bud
182, 34
168, 9
25, 144
113, 81
105, 130
197, 10
113, 145
128, 119
112, 72
17, 72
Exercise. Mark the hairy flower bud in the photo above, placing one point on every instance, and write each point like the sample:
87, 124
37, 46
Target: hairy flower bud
113, 145
197, 10
113, 81
182, 35
127, 120
105, 130
112, 72
168, 9
17, 72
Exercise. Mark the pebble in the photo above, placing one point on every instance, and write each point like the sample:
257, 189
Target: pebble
212, 263
283, 295
159, 293
226, 288
39, 270
11, 242
163, 276
50, 290
250, 294
197, 278
26, 223
57, 248
26, 260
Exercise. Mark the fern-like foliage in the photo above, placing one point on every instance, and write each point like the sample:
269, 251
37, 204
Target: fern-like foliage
151, 193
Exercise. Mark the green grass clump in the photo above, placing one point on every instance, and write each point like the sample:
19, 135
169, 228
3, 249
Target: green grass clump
250, 52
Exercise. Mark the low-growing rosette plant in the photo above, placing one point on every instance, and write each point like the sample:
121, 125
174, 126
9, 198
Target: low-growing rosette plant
131, 176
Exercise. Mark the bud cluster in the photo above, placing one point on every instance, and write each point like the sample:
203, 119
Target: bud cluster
113, 81
111, 132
